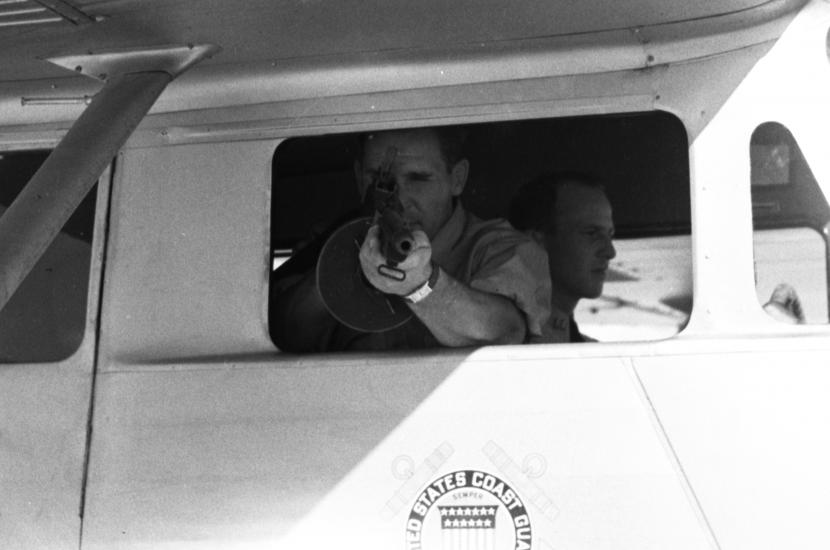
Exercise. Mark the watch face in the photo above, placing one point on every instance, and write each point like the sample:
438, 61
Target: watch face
425, 289
419, 294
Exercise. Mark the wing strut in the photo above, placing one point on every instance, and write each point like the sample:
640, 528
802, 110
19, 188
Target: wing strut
134, 80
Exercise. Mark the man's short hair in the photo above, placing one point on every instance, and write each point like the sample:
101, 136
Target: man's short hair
451, 141
532, 207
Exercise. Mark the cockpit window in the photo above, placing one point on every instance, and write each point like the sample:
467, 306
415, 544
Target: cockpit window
791, 220
620, 249
45, 318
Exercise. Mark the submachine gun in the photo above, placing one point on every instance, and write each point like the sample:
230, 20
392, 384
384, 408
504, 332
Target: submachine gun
348, 296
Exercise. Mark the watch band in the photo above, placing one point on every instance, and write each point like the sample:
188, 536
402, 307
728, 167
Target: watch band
425, 289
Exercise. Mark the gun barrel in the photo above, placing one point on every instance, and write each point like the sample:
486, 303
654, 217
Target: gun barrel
396, 238
399, 246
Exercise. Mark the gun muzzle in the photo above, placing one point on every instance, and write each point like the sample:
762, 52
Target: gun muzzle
396, 238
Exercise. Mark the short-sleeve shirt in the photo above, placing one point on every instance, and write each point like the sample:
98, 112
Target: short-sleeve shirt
488, 255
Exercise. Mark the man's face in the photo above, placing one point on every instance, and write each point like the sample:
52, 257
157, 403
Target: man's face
580, 247
425, 184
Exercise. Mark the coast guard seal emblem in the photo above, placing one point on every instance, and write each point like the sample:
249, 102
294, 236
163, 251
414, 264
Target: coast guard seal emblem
468, 510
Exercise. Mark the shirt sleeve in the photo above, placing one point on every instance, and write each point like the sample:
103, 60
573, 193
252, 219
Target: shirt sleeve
508, 263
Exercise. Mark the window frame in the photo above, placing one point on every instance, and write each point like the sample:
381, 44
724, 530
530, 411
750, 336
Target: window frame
84, 353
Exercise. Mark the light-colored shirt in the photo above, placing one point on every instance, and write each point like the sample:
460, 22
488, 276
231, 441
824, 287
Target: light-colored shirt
487, 255
491, 256
561, 328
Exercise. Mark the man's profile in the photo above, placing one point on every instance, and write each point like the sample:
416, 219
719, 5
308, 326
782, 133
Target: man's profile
568, 213
466, 281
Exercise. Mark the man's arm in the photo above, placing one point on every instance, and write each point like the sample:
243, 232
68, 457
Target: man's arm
456, 314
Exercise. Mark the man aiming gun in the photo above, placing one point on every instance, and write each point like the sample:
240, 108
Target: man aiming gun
467, 281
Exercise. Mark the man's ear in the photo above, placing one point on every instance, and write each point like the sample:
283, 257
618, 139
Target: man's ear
459, 176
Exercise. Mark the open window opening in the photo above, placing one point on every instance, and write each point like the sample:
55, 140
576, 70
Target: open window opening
639, 161
45, 318
791, 220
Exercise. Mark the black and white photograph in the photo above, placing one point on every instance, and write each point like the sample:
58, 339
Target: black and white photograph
395, 275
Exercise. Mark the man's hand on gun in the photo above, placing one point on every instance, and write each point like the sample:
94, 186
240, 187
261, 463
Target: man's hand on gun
415, 269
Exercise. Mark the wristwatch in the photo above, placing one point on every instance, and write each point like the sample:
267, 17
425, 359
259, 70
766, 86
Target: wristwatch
425, 289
